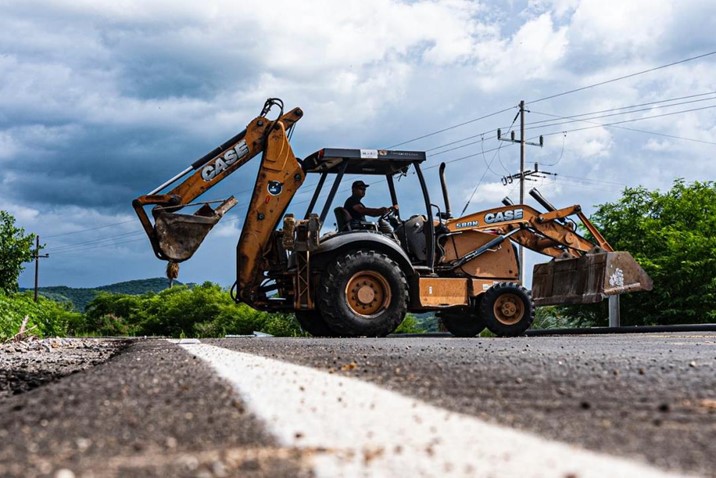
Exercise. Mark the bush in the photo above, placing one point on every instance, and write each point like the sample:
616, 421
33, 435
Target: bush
201, 311
46, 318
671, 234
410, 325
555, 317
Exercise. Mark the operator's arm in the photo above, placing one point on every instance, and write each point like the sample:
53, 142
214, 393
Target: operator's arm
371, 211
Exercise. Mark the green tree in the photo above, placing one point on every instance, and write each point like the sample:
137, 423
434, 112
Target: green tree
673, 236
15, 248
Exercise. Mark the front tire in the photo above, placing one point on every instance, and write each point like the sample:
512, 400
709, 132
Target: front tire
463, 322
312, 322
507, 309
363, 293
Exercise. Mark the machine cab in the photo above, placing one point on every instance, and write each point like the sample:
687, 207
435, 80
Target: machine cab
341, 167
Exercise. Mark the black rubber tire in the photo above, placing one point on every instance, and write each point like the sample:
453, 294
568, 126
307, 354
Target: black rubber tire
514, 296
334, 304
463, 323
312, 323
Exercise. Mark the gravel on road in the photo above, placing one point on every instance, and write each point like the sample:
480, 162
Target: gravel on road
32, 362
151, 410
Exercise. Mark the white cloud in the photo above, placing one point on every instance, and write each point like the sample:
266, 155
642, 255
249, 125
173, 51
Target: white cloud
619, 28
593, 143
102, 98
532, 53
228, 227
658, 146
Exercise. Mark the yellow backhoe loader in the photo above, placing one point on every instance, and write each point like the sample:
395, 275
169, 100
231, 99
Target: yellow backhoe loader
362, 278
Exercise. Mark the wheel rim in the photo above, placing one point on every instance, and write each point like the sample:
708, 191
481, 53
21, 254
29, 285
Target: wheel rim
368, 293
509, 309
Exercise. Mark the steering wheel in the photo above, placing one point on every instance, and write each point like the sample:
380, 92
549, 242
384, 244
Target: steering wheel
390, 212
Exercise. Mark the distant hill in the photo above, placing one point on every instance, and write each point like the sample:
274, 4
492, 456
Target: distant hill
80, 297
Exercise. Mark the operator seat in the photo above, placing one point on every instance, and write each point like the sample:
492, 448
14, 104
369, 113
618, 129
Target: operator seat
343, 219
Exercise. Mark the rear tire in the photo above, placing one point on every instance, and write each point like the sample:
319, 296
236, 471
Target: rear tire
312, 322
363, 293
464, 322
507, 309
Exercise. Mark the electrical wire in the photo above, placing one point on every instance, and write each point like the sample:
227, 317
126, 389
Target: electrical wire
561, 153
484, 158
622, 77
537, 125
634, 130
90, 229
575, 118
97, 246
631, 120
450, 127
478, 135
467, 204
93, 242
629, 107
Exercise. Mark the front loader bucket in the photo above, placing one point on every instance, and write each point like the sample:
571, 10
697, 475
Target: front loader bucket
180, 235
587, 279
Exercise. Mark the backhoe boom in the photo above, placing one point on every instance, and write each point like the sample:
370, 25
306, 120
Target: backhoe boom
176, 237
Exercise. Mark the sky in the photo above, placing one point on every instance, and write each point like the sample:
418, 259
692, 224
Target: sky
102, 101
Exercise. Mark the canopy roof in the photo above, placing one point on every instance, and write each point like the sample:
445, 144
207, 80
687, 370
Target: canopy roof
361, 161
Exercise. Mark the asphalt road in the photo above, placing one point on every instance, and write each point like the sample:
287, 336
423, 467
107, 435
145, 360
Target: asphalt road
649, 396
155, 410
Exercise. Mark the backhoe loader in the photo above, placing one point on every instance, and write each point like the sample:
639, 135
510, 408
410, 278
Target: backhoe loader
363, 277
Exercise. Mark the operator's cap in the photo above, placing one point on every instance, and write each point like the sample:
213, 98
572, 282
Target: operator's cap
359, 184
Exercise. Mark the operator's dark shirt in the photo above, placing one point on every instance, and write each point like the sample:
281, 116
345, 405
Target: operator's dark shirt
350, 202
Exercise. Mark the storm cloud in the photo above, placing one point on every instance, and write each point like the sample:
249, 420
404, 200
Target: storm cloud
102, 101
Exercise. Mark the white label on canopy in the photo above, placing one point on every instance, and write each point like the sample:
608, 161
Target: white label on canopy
369, 154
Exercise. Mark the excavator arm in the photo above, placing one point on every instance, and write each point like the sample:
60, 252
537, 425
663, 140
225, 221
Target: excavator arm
175, 237
582, 270
546, 233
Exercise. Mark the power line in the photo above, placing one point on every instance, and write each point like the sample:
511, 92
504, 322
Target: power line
561, 153
651, 103
631, 120
450, 127
578, 119
623, 77
672, 136
600, 181
497, 153
97, 246
90, 229
102, 241
481, 142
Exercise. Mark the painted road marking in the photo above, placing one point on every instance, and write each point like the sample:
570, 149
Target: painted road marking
354, 428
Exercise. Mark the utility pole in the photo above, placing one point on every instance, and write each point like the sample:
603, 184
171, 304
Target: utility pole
37, 257
522, 174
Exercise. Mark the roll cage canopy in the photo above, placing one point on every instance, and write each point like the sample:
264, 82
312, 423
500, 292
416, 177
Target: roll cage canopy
372, 162
361, 161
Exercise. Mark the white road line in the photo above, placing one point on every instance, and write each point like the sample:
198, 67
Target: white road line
361, 429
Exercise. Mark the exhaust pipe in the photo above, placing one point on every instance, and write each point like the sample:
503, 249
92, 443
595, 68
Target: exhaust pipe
443, 184
541, 199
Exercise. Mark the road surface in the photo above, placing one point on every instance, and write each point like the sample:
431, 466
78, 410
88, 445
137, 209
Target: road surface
572, 406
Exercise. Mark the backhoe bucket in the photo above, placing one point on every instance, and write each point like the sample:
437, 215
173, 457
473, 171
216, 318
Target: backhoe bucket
180, 235
587, 279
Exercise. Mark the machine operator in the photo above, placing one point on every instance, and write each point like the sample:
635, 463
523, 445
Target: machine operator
355, 207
